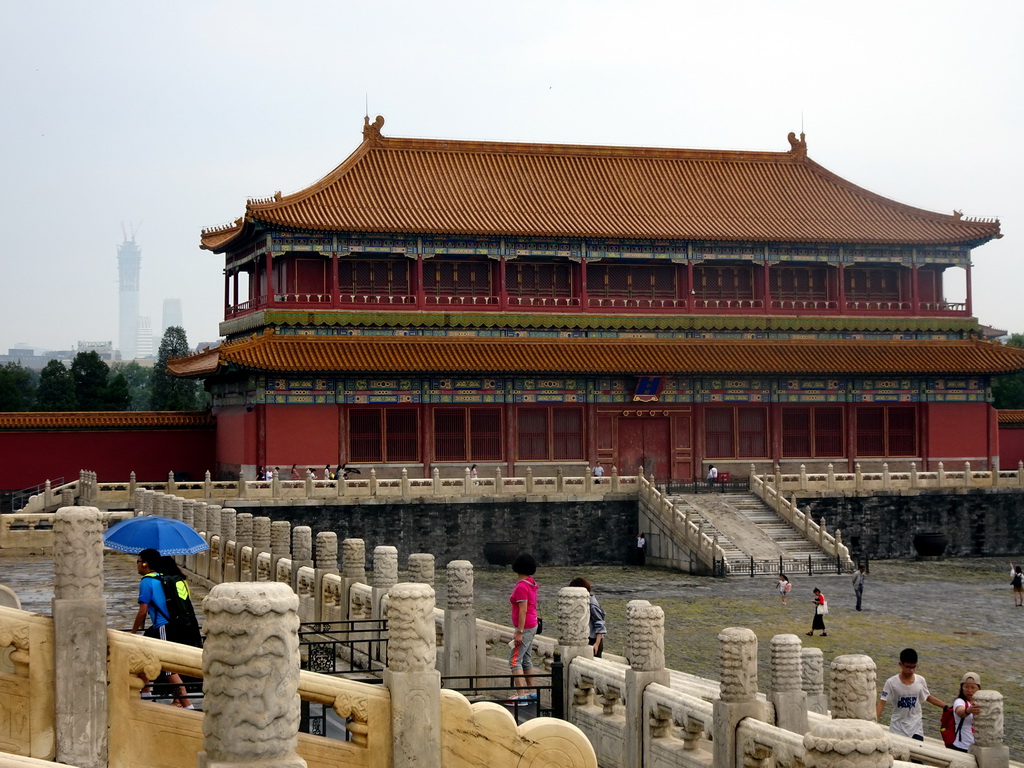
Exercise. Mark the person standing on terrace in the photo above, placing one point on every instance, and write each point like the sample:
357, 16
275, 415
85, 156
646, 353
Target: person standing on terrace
524, 625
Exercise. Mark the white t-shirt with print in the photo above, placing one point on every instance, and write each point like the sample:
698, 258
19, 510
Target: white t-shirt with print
907, 700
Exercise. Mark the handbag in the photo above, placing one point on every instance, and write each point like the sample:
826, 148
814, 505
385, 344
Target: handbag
821, 609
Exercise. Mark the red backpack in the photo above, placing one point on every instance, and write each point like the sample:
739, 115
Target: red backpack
948, 727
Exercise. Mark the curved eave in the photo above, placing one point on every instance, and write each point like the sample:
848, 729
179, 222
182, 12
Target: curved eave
105, 420
702, 357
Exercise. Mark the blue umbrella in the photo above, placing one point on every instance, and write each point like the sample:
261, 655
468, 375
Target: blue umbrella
166, 536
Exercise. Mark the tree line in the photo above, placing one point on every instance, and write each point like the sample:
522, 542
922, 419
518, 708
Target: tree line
90, 384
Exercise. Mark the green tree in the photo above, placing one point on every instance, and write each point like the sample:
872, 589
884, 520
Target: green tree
167, 392
17, 387
118, 396
56, 390
91, 376
1008, 390
137, 379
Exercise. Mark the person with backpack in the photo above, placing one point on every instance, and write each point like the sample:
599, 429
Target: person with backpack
155, 603
963, 710
784, 587
820, 609
1017, 583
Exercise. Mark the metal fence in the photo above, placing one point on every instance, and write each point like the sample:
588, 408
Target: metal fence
355, 648
814, 564
673, 487
545, 698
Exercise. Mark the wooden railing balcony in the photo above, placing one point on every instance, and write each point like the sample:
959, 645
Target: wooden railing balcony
605, 304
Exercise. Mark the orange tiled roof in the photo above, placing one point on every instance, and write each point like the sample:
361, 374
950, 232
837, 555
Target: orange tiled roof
370, 354
425, 186
105, 420
1010, 416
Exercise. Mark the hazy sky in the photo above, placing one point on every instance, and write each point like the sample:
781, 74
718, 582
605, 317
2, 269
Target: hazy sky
167, 116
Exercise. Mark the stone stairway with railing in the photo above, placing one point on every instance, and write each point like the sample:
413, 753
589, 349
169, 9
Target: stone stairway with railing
746, 528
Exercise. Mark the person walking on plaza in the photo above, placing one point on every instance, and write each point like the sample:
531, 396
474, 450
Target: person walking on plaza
783, 586
524, 625
712, 475
153, 603
820, 609
908, 691
858, 585
1017, 584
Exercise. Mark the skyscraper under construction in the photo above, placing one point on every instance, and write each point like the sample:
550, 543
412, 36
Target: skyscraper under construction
129, 260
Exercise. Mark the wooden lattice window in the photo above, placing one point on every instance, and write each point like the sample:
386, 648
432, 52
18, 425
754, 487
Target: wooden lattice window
381, 435
456, 278
467, 434
536, 279
724, 282
929, 285
799, 282
886, 431
873, 283
631, 281
374, 277
550, 434
736, 432
812, 431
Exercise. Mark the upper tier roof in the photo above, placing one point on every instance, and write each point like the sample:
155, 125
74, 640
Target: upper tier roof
429, 186
286, 353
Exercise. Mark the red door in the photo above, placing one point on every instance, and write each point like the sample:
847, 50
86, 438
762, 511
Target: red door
643, 443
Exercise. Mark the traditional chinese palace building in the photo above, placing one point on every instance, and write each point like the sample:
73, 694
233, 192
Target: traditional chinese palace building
435, 303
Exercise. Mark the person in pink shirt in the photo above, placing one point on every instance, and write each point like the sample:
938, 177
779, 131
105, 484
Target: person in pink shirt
524, 624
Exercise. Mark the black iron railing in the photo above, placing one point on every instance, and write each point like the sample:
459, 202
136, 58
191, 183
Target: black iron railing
344, 647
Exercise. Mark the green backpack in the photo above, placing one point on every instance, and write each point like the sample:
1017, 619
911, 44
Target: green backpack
182, 624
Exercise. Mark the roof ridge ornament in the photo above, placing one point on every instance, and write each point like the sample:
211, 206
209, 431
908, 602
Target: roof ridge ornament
371, 131
797, 146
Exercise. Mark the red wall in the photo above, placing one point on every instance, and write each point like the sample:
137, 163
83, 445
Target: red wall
236, 436
1011, 447
306, 435
30, 458
963, 430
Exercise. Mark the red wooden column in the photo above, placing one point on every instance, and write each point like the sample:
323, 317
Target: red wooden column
584, 296
269, 267
842, 288
766, 289
511, 431
502, 291
427, 433
914, 290
691, 294
227, 290
851, 436
969, 302
421, 293
335, 285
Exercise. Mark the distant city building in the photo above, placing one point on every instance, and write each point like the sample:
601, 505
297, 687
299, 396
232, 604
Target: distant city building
143, 339
129, 260
172, 315
105, 349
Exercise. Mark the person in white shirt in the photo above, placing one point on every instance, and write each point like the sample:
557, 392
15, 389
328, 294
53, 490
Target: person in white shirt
712, 475
964, 710
908, 691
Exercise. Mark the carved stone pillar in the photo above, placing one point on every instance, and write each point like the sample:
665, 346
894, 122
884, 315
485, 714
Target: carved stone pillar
812, 679
460, 620
414, 683
847, 744
280, 544
421, 568
385, 576
252, 631
215, 572
302, 551
260, 542
229, 544
174, 508
326, 562
737, 647
353, 570
988, 748
786, 692
243, 539
645, 652
853, 687
80, 638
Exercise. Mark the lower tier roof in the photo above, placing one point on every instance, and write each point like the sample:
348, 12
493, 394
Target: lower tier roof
327, 355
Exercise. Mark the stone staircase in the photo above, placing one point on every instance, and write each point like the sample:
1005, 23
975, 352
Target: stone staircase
745, 527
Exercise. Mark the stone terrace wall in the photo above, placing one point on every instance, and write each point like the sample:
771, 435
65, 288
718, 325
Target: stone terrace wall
977, 523
556, 533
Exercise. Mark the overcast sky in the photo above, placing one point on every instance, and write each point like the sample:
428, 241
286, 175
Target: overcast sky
167, 116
